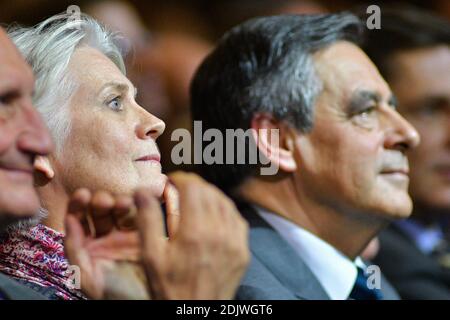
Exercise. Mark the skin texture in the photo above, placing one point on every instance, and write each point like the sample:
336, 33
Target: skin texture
357, 152
421, 81
189, 265
346, 178
22, 136
110, 132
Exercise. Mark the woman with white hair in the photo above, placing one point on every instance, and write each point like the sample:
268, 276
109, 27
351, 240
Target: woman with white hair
104, 141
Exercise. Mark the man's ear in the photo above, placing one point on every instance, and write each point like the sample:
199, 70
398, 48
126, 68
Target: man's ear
274, 139
43, 167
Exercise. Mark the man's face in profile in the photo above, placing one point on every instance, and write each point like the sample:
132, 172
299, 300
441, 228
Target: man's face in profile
421, 81
22, 135
354, 157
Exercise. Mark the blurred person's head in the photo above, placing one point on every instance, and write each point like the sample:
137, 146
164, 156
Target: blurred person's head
177, 55
120, 16
104, 139
23, 136
140, 50
342, 144
412, 50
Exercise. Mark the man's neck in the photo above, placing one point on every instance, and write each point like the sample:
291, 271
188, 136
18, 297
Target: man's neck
347, 232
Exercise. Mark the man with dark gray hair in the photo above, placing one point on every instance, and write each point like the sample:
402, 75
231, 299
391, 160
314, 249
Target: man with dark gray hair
341, 153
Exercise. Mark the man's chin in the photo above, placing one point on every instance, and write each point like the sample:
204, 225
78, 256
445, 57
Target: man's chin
399, 208
20, 204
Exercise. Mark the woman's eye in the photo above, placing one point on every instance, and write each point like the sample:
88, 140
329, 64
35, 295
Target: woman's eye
115, 104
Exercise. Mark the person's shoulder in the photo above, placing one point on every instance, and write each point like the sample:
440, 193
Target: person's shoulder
13, 290
411, 272
259, 283
396, 247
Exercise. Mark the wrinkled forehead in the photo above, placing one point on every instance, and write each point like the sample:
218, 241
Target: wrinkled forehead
344, 68
93, 69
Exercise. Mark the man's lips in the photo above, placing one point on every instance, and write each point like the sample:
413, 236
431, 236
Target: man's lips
26, 168
394, 171
17, 173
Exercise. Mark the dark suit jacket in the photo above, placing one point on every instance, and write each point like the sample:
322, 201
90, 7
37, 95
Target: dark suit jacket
276, 271
12, 290
414, 274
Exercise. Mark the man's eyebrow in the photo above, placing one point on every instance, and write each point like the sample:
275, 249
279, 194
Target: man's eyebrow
393, 101
360, 98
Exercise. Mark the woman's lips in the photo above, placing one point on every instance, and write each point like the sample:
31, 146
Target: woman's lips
150, 158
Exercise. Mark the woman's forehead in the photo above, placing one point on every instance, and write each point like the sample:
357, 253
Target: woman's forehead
93, 69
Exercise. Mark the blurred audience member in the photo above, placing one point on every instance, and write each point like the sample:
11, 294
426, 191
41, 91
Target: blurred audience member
23, 136
106, 141
340, 151
412, 50
137, 42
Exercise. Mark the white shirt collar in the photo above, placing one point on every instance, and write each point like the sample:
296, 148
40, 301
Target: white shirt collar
335, 272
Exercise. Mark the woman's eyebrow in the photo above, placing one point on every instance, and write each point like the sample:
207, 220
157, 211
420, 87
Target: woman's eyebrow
120, 86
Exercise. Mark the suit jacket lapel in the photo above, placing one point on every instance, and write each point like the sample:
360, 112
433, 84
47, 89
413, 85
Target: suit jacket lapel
281, 259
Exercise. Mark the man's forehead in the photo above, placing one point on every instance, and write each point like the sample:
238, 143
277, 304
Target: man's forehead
426, 70
432, 62
7, 49
12, 65
343, 66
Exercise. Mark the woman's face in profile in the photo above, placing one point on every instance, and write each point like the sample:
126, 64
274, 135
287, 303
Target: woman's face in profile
112, 140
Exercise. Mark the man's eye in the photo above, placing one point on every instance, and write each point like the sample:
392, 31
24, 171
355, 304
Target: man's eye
6, 99
367, 112
430, 110
115, 104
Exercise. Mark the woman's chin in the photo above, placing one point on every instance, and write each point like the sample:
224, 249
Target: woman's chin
155, 184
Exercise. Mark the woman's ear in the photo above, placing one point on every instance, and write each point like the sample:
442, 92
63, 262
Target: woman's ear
43, 167
275, 141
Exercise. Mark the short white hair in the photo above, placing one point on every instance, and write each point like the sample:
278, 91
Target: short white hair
48, 48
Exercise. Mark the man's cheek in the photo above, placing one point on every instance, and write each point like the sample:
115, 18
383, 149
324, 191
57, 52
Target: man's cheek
5, 140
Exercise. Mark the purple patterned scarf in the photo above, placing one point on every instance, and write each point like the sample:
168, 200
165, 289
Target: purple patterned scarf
37, 256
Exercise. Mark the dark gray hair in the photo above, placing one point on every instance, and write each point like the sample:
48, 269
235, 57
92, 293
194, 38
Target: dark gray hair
264, 65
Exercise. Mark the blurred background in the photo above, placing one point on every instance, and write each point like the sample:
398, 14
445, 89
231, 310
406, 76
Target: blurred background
166, 40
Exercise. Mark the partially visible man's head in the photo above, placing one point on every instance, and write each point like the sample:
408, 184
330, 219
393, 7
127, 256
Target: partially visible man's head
341, 139
23, 135
412, 50
104, 139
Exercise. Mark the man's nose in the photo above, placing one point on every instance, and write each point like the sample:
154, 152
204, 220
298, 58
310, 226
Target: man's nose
35, 137
400, 134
